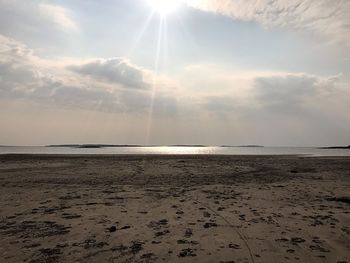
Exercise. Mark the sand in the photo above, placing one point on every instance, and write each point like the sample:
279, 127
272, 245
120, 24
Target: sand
174, 209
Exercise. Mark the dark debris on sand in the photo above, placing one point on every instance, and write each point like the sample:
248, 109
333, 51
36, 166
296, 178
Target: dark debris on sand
46, 255
187, 252
136, 247
33, 229
343, 199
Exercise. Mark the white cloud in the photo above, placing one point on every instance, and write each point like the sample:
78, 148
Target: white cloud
59, 15
298, 92
115, 70
234, 92
26, 76
326, 18
281, 92
34, 17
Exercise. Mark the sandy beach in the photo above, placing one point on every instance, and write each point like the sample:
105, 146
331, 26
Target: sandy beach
174, 208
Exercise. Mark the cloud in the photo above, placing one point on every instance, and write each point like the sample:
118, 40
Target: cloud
275, 93
26, 76
264, 99
291, 91
233, 89
34, 17
326, 18
285, 108
59, 15
115, 70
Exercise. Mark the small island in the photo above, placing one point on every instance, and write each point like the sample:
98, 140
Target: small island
336, 147
242, 146
90, 146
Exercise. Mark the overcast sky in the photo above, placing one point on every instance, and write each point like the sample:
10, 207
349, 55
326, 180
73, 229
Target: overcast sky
268, 72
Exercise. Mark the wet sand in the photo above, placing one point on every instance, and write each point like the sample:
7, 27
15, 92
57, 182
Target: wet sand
174, 209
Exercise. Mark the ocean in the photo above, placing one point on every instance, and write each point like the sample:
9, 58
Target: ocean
307, 151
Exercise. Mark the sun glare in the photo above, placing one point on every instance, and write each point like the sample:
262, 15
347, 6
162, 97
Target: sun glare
164, 7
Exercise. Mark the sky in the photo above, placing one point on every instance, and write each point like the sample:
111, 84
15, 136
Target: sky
213, 72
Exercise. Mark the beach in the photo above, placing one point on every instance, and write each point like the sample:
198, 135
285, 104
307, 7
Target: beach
174, 208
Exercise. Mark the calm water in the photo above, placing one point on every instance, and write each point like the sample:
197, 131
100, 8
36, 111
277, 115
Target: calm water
178, 150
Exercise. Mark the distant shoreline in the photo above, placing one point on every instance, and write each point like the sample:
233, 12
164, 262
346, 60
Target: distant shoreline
118, 145
243, 146
100, 146
133, 145
335, 147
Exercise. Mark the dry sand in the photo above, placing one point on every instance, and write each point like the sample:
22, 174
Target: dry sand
174, 209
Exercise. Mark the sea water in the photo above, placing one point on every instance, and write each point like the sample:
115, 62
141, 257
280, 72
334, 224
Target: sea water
212, 150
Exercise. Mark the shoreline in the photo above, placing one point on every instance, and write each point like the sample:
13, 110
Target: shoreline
147, 154
200, 151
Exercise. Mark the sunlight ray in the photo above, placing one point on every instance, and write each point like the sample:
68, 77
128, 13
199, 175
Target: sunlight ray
156, 72
165, 44
141, 33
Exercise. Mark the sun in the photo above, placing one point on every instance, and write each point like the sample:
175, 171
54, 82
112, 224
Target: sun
165, 7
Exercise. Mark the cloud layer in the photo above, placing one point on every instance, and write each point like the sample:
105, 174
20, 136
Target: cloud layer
115, 70
117, 85
113, 85
326, 18
34, 16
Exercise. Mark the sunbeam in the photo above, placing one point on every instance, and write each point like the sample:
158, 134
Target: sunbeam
159, 48
161, 55
141, 33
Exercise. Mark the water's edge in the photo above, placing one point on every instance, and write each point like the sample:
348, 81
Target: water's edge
174, 150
